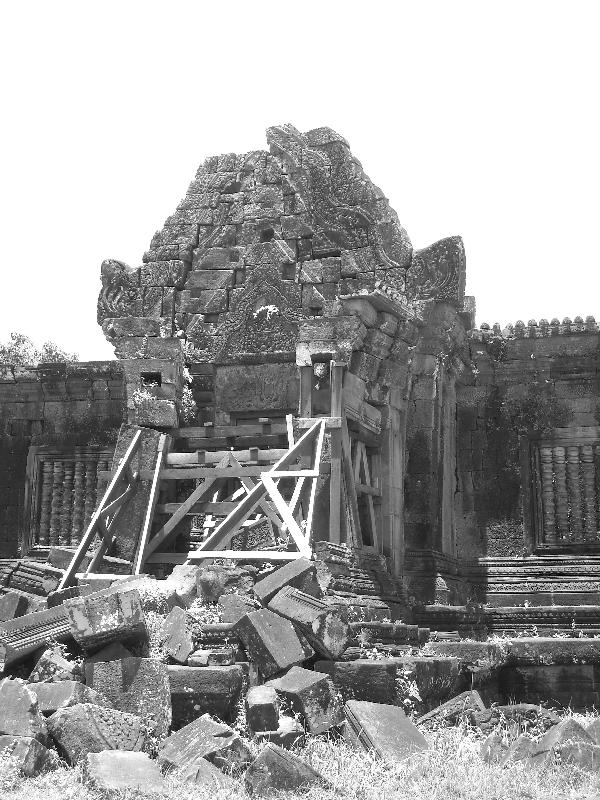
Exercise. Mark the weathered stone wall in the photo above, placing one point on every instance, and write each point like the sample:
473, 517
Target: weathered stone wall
522, 386
66, 405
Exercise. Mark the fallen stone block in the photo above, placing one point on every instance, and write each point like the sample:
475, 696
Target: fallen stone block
382, 729
201, 772
262, 709
63, 694
437, 679
312, 695
183, 579
53, 666
567, 731
519, 716
120, 770
19, 711
363, 679
522, 748
13, 604
98, 619
89, 728
594, 730
175, 636
32, 757
216, 580
584, 756
214, 657
289, 733
137, 686
271, 642
211, 690
204, 738
232, 607
276, 769
324, 626
301, 573
449, 712
493, 748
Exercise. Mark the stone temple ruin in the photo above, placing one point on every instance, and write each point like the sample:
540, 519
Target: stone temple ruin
296, 385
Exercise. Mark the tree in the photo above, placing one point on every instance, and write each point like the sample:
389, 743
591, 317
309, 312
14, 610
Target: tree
19, 349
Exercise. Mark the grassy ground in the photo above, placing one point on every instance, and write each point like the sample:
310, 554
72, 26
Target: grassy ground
451, 770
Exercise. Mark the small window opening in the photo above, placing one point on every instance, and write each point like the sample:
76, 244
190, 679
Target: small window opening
151, 378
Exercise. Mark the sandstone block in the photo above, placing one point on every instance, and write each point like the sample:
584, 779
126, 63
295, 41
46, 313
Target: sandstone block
363, 679
19, 711
204, 738
32, 756
120, 770
201, 772
175, 636
118, 327
112, 652
300, 573
232, 607
449, 712
215, 580
101, 618
88, 728
262, 709
63, 694
13, 605
212, 690
382, 729
213, 657
136, 686
53, 666
276, 769
324, 626
312, 695
183, 579
271, 642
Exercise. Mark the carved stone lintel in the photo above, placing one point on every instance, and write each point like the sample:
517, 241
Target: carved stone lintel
438, 272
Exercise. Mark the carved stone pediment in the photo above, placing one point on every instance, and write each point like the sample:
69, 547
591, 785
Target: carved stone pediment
438, 272
120, 295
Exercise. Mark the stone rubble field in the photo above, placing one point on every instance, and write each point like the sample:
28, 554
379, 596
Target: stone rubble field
222, 679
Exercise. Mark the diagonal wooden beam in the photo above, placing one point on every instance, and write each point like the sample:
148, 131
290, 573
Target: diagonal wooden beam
199, 493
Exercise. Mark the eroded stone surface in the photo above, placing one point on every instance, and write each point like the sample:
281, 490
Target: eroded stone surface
118, 770
276, 769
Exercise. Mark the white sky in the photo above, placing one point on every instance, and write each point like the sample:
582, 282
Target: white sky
475, 118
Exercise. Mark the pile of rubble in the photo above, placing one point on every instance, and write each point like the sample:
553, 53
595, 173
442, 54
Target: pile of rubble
238, 650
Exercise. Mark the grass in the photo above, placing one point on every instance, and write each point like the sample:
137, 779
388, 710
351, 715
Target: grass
450, 770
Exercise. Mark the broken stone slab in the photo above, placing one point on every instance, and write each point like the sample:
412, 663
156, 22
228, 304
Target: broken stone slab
105, 617
15, 604
262, 709
32, 757
566, 731
382, 729
183, 579
204, 738
215, 580
312, 695
19, 711
493, 748
289, 733
522, 748
363, 679
53, 666
214, 657
276, 769
301, 573
520, 716
211, 690
271, 642
175, 636
324, 626
450, 711
121, 770
584, 756
22, 636
232, 607
202, 773
63, 694
89, 728
594, 730
137, 686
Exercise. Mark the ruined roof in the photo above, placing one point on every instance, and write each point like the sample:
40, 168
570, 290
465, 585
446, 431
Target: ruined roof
280, 233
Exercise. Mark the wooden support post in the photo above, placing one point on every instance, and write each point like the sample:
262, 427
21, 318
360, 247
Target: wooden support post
335, 479
138, 562
306, 382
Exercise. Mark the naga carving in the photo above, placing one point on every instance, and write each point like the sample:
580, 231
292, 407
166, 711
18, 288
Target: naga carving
120, 295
